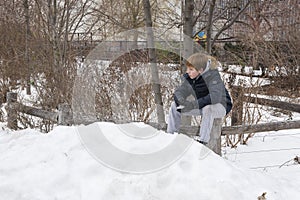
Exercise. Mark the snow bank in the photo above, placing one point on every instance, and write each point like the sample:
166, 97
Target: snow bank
57, 165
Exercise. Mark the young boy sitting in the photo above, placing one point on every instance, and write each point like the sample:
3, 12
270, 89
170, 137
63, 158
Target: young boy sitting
202, 81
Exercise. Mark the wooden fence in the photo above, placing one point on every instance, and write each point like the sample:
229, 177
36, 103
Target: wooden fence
63, 115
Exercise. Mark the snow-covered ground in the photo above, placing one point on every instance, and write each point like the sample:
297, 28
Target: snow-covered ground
62, 165
271, 153
134, 161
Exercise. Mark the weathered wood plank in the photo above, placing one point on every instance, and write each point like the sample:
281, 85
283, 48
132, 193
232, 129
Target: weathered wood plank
65, 115
232, 130
237, 94
273, 103
53, 116
263, 127
12, 113
215, 136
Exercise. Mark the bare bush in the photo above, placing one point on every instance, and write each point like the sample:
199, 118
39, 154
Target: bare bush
124, 90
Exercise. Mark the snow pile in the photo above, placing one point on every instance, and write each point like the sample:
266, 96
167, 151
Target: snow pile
57, 165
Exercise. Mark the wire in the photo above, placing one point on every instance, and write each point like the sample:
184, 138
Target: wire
287, 163
264, 150
270, 166
270, 135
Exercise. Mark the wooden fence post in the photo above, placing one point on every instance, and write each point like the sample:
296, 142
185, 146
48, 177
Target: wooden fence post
237, 110
65, 116
215, 136
2, 98
12, 113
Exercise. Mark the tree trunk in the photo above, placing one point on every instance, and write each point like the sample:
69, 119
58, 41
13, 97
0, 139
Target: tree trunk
154, 70
209, 26
188, 10
28, 72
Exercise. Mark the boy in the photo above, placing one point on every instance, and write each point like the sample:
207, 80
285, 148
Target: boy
202, 81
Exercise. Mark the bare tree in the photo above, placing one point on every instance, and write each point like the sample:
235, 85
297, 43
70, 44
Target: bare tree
188, 25
153, 62
39, 49
27, 36
128, 16
221, 18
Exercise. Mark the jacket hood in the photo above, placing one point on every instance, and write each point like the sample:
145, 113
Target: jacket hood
211, 64
203, 61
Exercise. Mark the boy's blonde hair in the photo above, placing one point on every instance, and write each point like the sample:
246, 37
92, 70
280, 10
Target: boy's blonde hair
201, 61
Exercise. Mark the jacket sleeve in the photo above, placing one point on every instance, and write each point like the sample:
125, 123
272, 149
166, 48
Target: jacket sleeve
182, 92
204, 101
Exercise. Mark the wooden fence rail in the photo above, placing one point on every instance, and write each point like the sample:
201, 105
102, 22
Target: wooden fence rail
241, 129
273, 103
63, 116
48, 115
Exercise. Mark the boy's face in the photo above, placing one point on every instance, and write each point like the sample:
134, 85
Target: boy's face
192, 72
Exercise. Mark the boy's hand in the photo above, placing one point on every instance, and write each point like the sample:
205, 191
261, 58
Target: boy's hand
179, 108
180, 101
